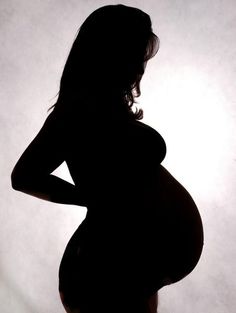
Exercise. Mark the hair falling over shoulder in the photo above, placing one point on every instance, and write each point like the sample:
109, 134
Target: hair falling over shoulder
107, 61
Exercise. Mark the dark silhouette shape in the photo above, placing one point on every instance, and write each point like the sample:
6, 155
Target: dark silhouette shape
142, 230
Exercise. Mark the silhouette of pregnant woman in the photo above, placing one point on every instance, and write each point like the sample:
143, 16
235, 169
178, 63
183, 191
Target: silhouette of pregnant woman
142, 230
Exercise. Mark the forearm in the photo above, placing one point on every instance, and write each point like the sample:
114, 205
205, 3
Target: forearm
51, 188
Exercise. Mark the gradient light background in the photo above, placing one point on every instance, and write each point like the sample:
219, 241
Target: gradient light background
188, 95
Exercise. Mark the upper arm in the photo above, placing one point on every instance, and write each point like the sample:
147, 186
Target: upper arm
44, 154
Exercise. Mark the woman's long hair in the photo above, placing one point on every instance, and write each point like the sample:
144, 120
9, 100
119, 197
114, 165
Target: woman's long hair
107, 60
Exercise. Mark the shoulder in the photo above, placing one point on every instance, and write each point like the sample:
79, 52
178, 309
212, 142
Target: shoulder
59, 121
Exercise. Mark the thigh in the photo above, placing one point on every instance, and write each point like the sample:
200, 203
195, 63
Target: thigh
152, 303
67, 309
72, 280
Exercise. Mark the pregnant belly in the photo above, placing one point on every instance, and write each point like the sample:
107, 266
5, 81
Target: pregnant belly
180, 227
170, 245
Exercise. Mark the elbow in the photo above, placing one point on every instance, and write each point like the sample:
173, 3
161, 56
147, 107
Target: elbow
23, 180
17, 180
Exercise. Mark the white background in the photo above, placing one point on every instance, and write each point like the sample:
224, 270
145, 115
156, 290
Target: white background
188, 95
